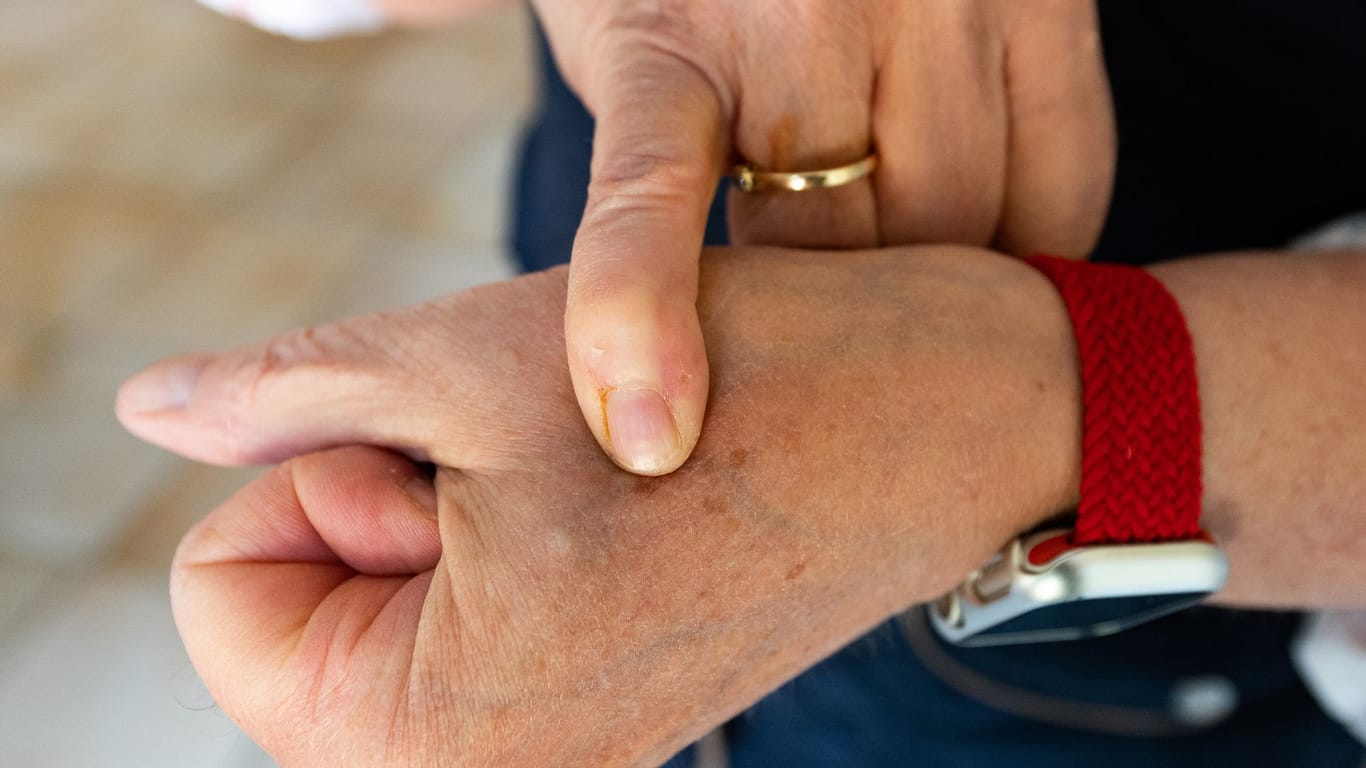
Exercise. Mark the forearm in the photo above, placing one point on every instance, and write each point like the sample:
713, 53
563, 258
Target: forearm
1280, 345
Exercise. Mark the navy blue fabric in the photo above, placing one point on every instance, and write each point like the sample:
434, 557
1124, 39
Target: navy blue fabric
1239, 127
876, 704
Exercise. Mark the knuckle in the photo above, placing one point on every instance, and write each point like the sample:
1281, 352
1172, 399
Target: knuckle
239, 391
664, 18
247, 384
268, 362
651, 167
637, 188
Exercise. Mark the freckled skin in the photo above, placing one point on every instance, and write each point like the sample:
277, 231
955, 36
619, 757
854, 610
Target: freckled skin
991, 122
563, 612
536, 608
715, 506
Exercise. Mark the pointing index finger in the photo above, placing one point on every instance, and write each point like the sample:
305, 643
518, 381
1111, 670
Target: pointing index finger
635, 348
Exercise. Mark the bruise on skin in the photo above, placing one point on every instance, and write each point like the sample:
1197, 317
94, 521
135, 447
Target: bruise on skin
646, 486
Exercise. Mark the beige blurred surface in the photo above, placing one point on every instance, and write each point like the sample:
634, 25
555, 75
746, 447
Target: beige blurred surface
172, 180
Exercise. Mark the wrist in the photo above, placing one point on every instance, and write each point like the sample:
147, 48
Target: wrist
1019, 403
913, 408
1136, 550
1048, 465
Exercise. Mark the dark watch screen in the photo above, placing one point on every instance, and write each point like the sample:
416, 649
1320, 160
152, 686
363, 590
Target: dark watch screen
1078, 619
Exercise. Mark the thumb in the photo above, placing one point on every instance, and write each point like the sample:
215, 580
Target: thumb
299, 392
300, 601
634, 344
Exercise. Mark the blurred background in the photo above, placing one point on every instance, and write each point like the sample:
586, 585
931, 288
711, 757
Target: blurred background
171, 180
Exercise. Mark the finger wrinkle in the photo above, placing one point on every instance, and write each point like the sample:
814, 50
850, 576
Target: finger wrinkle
676, 39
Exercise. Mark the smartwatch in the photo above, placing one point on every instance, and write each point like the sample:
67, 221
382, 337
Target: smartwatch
1136, 550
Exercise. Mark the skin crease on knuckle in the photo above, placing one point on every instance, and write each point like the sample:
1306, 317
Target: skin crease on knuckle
241, 383
614, 210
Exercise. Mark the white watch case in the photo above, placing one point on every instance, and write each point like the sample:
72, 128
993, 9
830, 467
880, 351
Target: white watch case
1041, 588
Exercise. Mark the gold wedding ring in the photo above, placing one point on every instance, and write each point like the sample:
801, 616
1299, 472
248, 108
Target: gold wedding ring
750, 179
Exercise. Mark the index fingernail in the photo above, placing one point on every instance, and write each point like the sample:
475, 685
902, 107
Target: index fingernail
640, 430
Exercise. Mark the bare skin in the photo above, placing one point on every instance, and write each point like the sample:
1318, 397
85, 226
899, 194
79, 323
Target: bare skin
991, 119
880, 425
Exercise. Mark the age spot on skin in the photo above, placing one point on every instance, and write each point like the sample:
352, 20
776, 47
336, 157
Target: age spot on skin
795, 571
716, 511
738, 457
715, 506
646, 486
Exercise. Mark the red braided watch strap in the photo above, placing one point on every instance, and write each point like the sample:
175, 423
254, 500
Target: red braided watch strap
1140, 473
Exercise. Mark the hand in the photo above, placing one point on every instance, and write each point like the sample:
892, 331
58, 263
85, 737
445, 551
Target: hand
991, 119
880, 425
